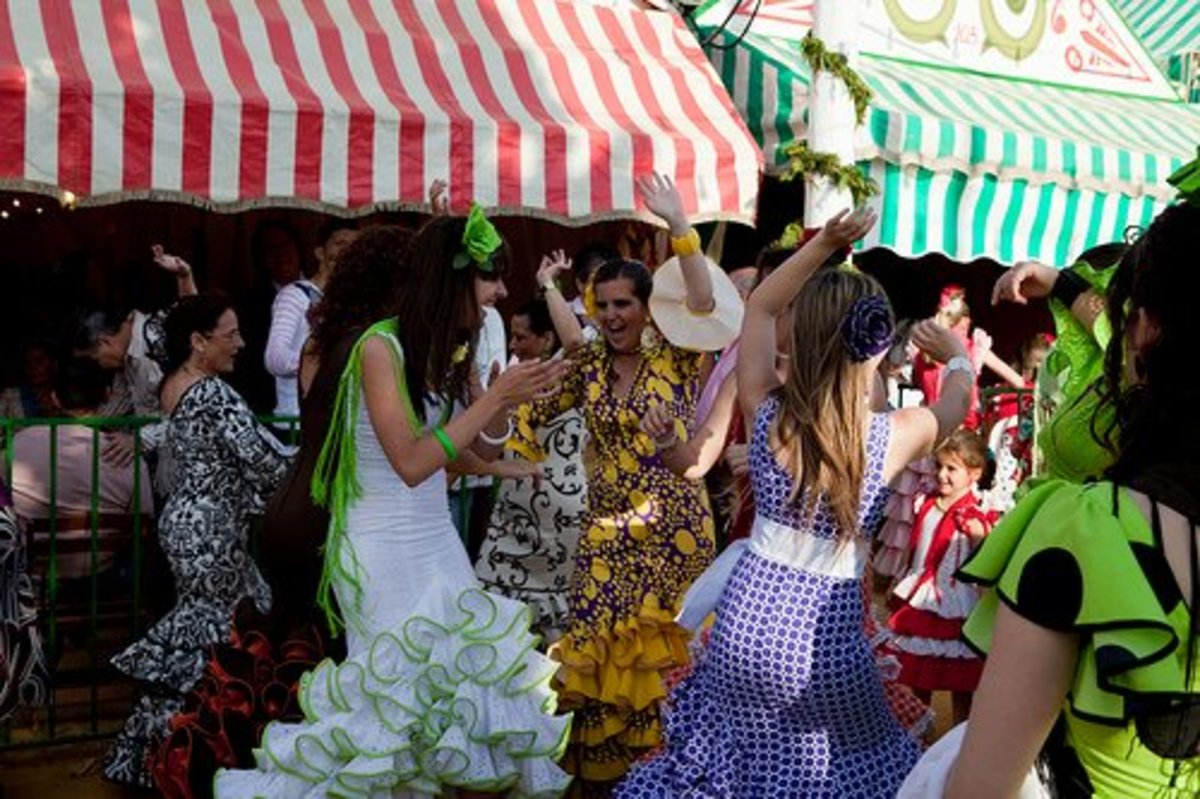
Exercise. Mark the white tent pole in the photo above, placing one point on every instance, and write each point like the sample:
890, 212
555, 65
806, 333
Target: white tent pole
831, 122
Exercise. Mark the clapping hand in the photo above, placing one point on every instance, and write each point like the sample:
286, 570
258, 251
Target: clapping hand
847, 227
737, 457
552, 266
526, 381
659, 424
661, 197
171, 263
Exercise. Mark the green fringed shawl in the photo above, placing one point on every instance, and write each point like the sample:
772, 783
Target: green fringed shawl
335, 484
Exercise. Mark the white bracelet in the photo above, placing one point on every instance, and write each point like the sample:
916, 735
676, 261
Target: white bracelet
497, 442
961, 363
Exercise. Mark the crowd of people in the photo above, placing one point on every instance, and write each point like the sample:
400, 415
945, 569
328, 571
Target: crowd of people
679, 537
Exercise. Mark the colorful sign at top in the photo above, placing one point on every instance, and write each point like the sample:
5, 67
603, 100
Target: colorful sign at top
1079, 43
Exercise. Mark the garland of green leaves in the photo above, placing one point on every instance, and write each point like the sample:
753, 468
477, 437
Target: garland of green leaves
804, 162
821, 59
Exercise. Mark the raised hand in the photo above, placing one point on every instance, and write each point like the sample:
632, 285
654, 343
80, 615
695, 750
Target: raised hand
525, 381
847, 227
937, 342
982, 345
662, 199
171, 263
1025, 281
552, 266
439, 201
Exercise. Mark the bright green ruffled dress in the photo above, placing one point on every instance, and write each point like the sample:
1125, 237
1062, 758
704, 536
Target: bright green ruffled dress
1070, 392
1056, 560
443, 686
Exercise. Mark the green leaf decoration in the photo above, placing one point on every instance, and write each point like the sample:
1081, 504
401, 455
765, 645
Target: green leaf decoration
820, 59
480, 241
803, 162
1186, 181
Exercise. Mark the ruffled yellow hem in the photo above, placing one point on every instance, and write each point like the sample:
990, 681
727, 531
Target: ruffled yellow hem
623, 668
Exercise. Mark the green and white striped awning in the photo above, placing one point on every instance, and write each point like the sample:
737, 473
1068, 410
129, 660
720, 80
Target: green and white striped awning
974, 166
1166, 27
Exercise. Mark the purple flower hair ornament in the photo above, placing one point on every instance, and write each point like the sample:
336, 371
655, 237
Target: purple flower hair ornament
867, 329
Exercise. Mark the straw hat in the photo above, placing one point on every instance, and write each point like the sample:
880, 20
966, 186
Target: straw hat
704, 332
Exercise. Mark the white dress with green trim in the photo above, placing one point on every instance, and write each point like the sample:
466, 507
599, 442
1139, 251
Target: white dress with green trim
442, 685
1085, 560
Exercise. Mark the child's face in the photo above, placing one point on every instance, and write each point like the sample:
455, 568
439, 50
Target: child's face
955, 478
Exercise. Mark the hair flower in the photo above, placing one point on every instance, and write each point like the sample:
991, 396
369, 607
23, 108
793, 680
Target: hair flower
589, 299
868, 328
480, 242
460, 353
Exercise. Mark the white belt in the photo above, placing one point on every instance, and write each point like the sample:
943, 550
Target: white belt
799, 549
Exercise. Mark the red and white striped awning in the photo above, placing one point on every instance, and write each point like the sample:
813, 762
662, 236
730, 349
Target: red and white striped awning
543, 107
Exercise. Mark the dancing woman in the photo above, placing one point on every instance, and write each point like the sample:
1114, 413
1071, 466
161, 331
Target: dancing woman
1093, 626
787, 698
221, 467
649, 533
254, 679
441, 686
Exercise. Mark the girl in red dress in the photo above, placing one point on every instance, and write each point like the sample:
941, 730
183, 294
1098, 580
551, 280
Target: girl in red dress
932, 603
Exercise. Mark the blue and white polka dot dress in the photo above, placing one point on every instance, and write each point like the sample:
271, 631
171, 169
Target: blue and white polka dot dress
786, 701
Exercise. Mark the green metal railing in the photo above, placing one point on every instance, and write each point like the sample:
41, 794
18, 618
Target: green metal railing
126, 614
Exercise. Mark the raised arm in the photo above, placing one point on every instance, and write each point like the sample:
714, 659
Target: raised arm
661, 197
416, 456
1009, 375
185, 281
1032, 280
916, 431
756, 375
566, 324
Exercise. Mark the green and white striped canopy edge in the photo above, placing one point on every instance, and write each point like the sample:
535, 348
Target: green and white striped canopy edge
974, 166
1166, 27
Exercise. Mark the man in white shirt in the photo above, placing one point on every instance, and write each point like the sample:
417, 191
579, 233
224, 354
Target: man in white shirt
289, 315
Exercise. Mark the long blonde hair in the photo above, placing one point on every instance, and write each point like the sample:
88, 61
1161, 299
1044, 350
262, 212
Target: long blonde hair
823, 408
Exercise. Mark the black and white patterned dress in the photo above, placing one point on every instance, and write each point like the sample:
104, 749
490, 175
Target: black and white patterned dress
529, 552
23, 677
222, 468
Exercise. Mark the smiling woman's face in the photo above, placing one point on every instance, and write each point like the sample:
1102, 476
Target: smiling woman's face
620, 314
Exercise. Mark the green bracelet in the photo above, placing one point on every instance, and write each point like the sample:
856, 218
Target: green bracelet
447, 444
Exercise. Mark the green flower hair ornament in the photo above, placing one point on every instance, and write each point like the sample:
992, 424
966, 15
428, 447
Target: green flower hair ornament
480, 242
1186, 181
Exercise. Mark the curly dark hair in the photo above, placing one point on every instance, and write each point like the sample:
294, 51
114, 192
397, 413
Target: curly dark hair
363, 287
1156, 426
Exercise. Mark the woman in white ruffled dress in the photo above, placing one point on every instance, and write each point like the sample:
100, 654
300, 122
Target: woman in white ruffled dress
442, 687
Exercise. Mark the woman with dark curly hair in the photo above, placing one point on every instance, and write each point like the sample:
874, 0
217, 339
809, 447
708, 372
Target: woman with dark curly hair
360, 291
261, 667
